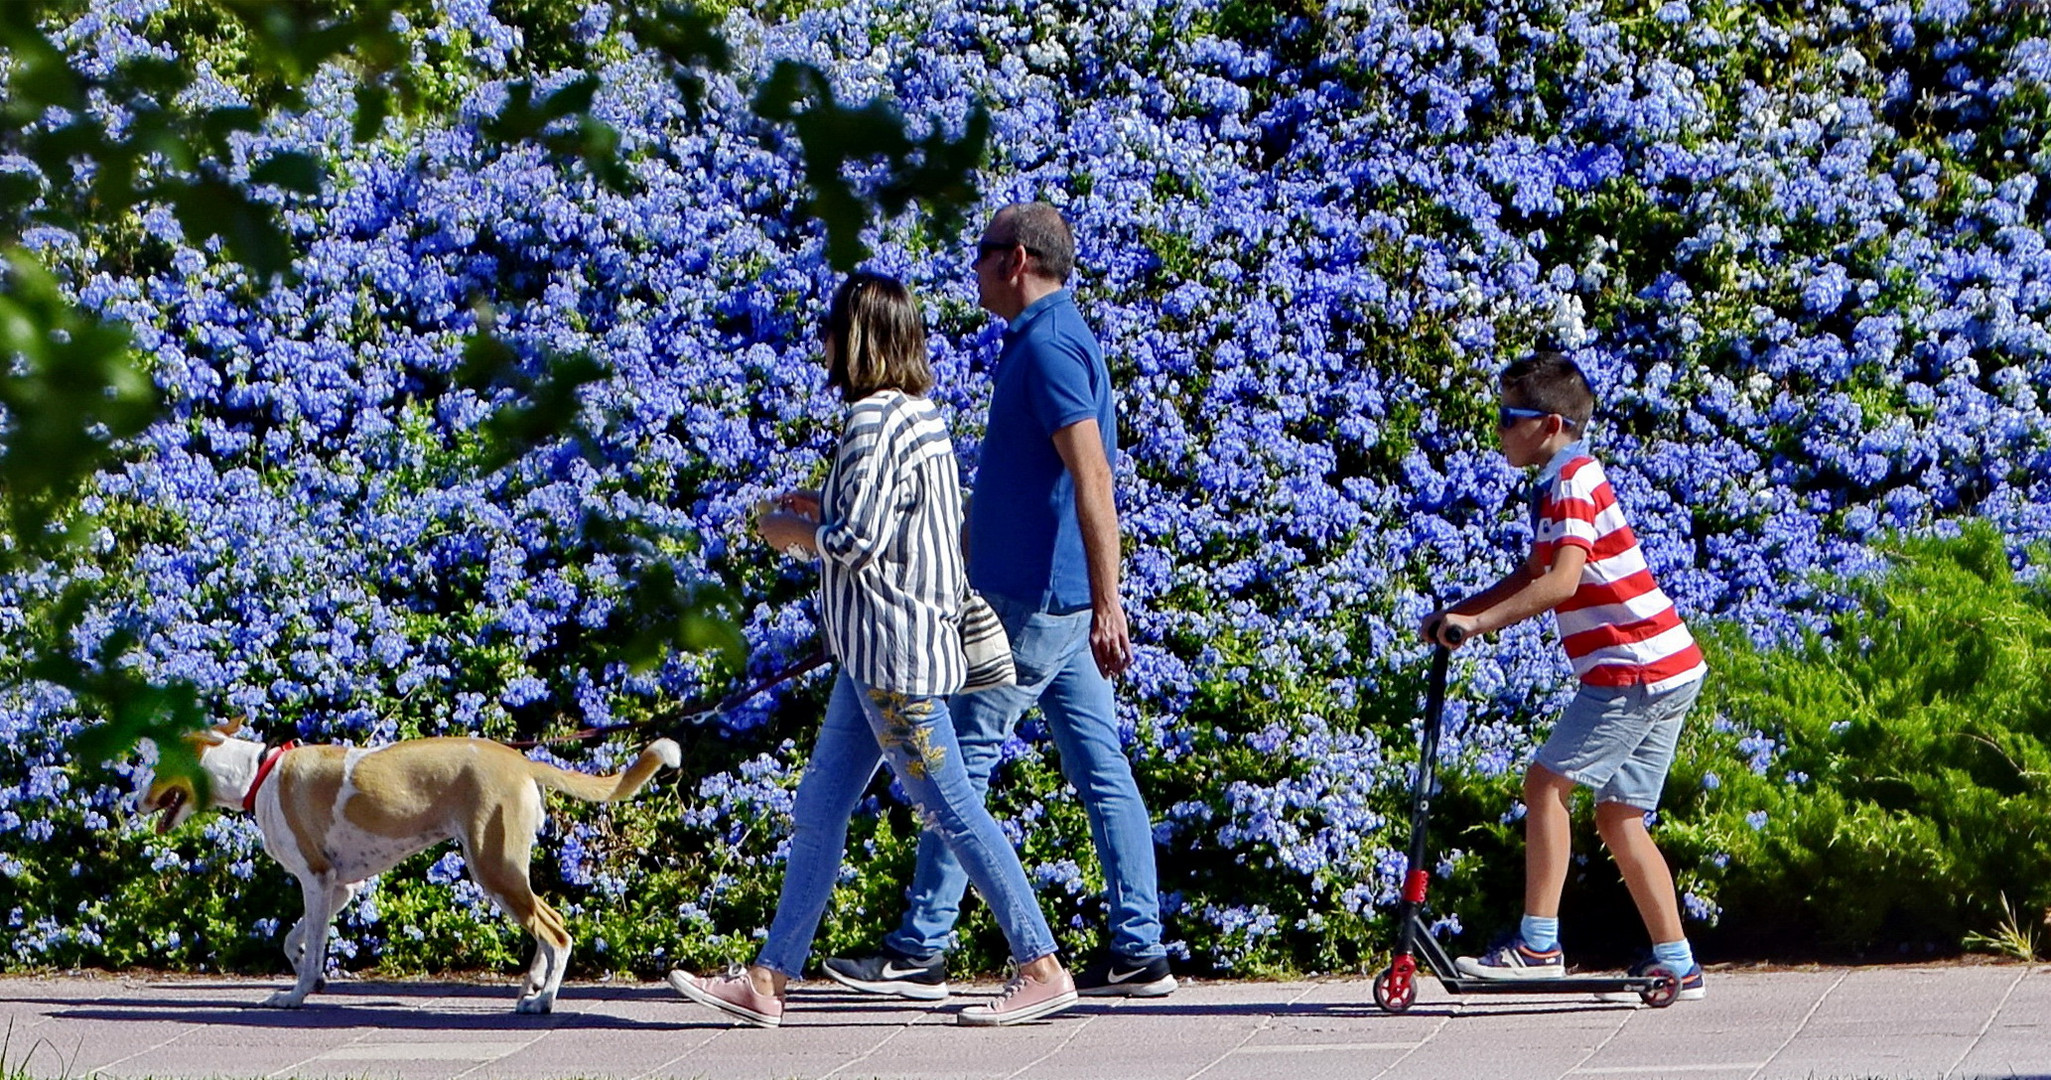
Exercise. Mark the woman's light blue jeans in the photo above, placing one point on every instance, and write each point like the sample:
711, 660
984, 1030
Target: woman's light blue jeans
915, 736
1057, 671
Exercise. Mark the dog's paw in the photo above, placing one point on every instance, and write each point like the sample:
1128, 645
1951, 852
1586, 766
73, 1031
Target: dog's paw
284, 999
536, 1003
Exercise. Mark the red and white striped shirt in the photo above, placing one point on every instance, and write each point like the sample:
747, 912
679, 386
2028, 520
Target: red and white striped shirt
1619, 628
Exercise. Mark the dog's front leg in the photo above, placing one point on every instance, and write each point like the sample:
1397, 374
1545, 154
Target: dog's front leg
295, 950
312, 945
295, 940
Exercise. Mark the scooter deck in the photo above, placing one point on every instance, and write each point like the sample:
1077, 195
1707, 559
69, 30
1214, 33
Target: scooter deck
1570, 984
1442, 968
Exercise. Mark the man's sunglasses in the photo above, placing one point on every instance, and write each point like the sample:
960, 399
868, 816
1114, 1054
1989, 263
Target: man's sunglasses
990, 247
1510, 414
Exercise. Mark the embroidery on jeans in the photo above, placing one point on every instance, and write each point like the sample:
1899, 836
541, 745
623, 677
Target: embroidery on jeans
908, 731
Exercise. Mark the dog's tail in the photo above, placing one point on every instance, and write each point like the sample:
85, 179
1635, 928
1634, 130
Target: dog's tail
620, 785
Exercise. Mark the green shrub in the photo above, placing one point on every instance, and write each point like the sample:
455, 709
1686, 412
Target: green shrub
1887, 783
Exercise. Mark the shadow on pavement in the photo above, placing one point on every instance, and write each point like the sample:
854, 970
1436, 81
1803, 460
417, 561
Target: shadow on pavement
370, 1015
1342, 1009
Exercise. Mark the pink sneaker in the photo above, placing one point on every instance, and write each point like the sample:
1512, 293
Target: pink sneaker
1023, 998
731, 994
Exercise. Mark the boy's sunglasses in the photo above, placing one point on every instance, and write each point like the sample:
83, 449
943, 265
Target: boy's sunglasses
1510, 414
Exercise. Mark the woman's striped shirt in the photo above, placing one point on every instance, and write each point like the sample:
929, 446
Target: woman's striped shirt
891, 576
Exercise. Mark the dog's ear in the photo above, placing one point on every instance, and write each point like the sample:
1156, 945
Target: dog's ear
216, 735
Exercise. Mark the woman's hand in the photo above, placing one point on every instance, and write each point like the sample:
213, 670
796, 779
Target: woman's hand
792, 534
803, 502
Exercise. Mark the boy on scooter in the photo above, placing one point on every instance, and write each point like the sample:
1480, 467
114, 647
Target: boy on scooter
1639, 668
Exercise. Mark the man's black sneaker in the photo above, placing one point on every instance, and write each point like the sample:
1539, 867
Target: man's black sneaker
1123, 978
891, 972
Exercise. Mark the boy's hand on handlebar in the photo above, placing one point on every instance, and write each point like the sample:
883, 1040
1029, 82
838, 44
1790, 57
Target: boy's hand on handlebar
1449, 629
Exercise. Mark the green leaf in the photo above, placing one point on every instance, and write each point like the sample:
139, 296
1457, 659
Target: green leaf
548, 412
217, 124
292, 171
373, 104
43, 78
18, 191
153, 75
72, 385
217, 208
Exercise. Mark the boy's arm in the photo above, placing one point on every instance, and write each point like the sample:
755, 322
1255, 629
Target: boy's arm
1529, 591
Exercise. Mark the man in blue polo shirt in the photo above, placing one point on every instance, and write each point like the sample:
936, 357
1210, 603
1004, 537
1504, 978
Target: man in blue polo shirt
1043, 550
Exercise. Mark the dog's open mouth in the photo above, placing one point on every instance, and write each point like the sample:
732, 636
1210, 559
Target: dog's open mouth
168, 805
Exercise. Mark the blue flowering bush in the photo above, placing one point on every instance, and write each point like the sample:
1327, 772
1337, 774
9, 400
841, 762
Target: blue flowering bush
1801, 252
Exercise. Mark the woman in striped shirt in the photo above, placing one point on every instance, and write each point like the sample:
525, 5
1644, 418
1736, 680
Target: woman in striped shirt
887, 531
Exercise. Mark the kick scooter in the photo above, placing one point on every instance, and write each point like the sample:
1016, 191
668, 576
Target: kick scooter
1395, 989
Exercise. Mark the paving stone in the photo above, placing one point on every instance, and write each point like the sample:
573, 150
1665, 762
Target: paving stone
1898, 1023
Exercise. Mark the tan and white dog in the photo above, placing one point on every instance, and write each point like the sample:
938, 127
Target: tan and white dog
336, 816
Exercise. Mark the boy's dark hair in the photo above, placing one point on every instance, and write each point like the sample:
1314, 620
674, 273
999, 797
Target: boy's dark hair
879, 339
1550, 381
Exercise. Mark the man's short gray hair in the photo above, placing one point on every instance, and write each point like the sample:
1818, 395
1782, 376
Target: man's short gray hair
1044, 233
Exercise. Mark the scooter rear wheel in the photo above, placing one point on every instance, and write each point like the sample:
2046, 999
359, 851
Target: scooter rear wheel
1395, 991
1665, 991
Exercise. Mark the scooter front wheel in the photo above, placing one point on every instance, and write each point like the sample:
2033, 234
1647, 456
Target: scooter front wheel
1395, 991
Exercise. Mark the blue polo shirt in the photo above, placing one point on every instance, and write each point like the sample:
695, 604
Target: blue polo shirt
1025, 542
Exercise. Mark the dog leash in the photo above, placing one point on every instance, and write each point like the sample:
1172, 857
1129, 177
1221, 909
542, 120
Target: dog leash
696, 714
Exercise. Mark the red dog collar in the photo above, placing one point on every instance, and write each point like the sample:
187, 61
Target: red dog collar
263, 772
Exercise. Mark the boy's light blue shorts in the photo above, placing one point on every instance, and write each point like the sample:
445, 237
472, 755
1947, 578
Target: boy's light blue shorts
1619, 740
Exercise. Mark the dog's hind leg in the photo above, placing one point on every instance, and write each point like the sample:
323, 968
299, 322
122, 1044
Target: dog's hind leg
502, 871
551, 957
551, 936
295, 943
322, 901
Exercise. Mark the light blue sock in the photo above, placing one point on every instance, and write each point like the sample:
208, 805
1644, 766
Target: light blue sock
1677, 955
1541, 934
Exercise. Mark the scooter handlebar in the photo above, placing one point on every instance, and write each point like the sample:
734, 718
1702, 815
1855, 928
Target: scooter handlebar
1445, 636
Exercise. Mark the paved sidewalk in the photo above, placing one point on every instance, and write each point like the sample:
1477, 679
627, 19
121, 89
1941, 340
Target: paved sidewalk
1968, 1020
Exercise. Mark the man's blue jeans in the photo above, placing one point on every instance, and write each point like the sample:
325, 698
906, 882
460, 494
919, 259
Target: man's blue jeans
915, 735
1057, 670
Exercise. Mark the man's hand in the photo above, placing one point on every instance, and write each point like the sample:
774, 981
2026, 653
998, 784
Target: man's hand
1110, 640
